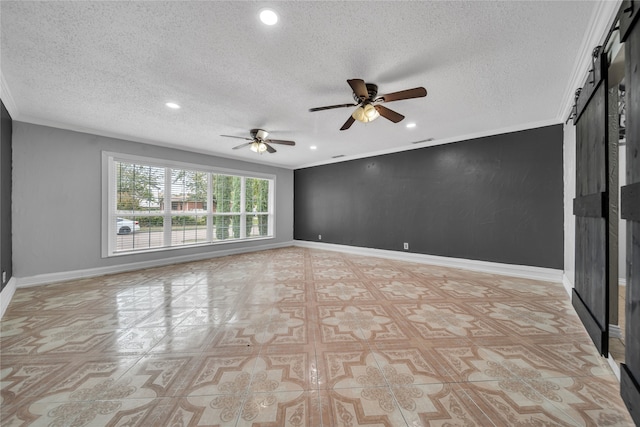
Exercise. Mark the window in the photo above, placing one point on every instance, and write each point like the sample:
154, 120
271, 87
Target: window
155, 205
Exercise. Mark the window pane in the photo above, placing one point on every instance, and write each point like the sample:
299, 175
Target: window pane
188, 191
257, 195
226, 193
139, 188
138, 233
257, 225
226, 227
188, 229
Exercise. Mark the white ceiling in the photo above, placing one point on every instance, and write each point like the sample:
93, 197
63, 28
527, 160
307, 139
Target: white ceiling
109, 67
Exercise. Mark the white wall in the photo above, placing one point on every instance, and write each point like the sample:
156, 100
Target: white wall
57, 193
569, 162
622, 225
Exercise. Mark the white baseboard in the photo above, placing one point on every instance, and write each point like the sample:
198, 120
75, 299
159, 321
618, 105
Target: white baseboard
6, 295
44, 279
537, 273
615, 331
568, 286
614, 366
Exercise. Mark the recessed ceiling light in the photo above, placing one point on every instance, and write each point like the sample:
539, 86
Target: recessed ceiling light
172, 105
411, 125
268, 17
313, 147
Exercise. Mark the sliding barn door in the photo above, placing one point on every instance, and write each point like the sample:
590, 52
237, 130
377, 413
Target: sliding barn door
591, 293
630, 208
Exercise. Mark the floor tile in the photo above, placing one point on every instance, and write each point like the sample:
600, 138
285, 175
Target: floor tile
590, 401
515, 403
408, 366
361, 406
342, 291
443, 405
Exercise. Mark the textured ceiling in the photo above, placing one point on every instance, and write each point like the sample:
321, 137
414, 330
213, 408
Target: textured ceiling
109, 67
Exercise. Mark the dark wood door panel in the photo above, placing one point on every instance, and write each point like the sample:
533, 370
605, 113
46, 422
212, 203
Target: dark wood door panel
630, 202
591, 137
591, 292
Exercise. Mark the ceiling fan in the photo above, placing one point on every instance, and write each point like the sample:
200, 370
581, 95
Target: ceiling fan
368, 102
259, 142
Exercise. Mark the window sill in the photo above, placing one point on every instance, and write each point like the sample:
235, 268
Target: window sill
182, 247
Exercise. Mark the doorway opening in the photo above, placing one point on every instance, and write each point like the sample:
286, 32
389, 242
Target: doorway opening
617, 178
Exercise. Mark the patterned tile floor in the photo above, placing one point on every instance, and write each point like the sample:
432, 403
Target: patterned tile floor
300, 337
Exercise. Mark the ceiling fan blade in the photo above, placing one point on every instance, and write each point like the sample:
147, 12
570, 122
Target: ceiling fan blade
329, 107
270, 149
348, 123
279, 141
417, 92
359, 88
389, 114
242, 145
238, 137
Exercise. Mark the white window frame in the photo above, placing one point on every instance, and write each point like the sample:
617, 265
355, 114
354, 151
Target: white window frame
109, 212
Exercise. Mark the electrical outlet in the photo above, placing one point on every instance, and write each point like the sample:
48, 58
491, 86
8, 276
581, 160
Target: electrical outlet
319, 236
406, 246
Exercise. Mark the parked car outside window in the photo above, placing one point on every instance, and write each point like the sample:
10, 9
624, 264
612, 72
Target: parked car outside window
126, 226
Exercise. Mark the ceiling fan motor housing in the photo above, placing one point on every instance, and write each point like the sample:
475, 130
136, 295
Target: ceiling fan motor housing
372, 90
259, 134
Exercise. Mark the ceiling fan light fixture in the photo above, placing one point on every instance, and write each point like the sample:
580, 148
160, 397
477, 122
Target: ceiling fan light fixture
366, 113
254, 146
262, 147
358, 114
370, 112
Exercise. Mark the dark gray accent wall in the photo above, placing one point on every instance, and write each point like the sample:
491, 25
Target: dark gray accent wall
5, 195
497, 198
